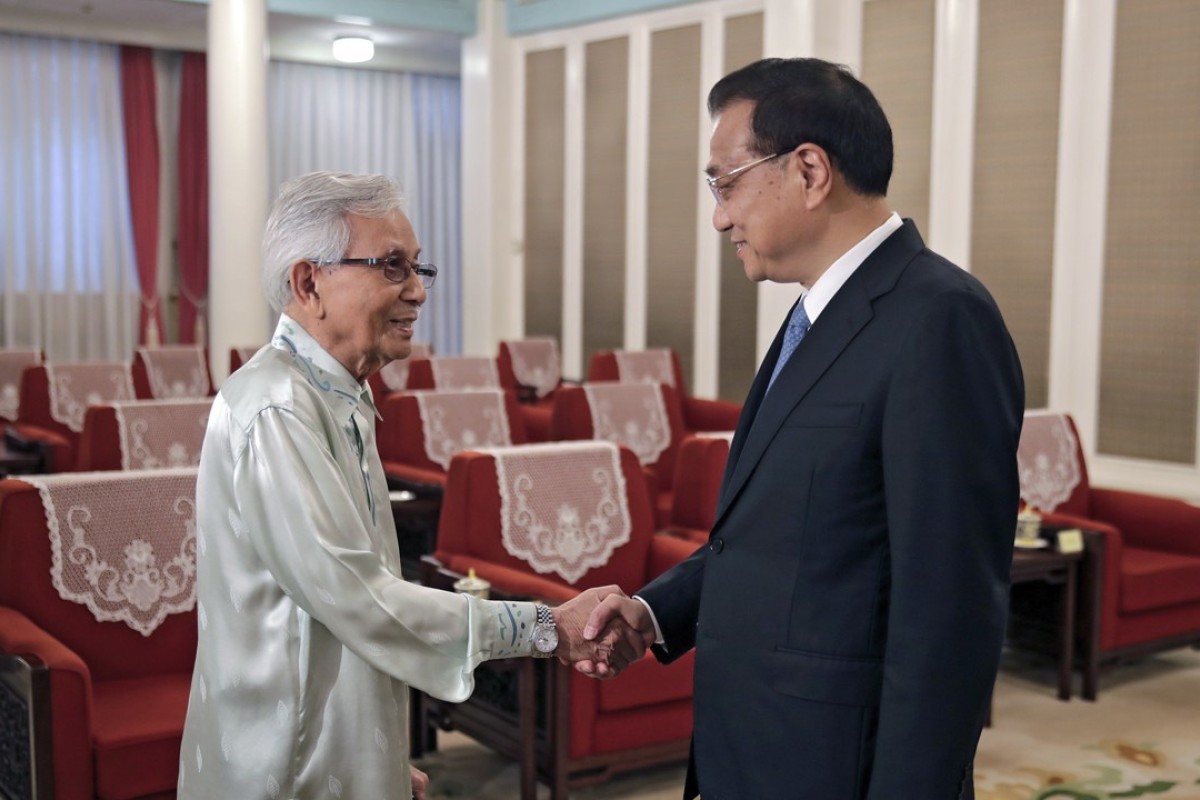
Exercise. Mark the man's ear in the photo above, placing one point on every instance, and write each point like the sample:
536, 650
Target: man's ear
816, 171
303, 279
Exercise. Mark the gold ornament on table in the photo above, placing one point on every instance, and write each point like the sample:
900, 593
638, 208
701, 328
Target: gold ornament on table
472, 585
1029, 527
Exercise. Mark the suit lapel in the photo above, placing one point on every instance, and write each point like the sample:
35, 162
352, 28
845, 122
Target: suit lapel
847, 313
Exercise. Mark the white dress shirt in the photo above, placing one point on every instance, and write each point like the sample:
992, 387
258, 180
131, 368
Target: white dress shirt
308, 634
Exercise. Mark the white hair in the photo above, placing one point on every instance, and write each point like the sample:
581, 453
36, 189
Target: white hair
309, 221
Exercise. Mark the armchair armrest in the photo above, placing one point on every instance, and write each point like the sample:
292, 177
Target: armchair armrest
700, 414
1150, 521
68, 704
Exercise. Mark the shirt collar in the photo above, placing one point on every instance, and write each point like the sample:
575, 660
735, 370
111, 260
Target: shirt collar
839, 272
322, 370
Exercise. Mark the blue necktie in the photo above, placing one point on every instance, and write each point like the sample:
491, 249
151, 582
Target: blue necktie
797, 326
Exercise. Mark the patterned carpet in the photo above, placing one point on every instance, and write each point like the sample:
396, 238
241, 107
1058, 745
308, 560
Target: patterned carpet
1140, 739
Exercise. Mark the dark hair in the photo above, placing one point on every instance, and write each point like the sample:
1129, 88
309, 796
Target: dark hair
798, 100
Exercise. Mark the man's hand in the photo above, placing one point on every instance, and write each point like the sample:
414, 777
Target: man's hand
617, 616
606, 652
420, 783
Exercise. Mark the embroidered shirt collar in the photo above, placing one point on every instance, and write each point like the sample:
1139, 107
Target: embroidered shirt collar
323, 370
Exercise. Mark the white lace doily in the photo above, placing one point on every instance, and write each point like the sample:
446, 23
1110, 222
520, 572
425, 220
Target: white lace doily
645, 366
175, 372
535, 363
158, 434
13, 362
459, 373
123, 543
563, 505
457, 421
74, 387
1047, 460
632, 414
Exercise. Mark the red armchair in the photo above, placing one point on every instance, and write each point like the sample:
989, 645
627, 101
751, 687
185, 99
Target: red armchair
699, 414
588, 729
537, 403
13, 361
457, 373
108, 703
172, 372
573, 419
400, 436
143, 434
41, 428
699, 469
1141, 578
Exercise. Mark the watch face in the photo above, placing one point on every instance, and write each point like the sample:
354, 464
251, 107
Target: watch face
545, 640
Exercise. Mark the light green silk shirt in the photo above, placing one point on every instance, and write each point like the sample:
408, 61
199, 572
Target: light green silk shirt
308, 635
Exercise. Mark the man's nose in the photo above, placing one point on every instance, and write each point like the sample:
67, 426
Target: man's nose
720, 219
414, 292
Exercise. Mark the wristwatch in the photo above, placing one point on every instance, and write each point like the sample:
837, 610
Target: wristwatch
545, 634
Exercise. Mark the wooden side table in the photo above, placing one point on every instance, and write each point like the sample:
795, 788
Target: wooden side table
1056, 569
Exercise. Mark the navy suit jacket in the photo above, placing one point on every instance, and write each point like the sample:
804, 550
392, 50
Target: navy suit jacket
849, 608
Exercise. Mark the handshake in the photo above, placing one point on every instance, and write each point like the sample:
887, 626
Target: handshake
601, 631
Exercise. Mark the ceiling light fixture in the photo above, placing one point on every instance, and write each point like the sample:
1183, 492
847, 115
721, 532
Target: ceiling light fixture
353, 49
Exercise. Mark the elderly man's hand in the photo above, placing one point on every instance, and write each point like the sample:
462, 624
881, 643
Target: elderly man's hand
606, 652
420, 783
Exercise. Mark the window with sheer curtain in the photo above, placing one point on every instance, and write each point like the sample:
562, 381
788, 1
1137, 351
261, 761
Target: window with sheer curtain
67, 275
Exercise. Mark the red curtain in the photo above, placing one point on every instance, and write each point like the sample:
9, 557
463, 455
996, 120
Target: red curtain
141, 156
193, 199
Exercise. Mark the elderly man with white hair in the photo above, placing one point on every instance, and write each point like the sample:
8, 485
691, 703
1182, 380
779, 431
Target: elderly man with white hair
308, 635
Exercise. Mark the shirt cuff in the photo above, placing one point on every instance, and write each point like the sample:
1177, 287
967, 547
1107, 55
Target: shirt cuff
512, 628
658, 637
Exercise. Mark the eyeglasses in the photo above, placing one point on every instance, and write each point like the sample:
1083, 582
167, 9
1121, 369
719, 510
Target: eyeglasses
396, 269
721, 184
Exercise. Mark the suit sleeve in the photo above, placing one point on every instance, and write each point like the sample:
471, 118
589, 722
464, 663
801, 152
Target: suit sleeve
950, 432
674, 597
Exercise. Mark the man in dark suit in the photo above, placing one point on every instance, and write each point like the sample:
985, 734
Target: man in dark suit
849, 608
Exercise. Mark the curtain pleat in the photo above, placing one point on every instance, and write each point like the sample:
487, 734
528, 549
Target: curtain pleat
193, 199
138, 104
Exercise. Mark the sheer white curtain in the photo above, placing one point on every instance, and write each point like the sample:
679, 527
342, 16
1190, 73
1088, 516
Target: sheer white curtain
398, 124
67, 278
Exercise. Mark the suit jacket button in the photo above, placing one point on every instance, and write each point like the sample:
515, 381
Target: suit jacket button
717, 545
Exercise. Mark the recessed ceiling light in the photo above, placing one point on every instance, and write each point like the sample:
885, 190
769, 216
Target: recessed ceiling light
353, 49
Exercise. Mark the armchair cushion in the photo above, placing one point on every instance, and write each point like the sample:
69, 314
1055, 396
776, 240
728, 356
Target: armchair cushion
647, 682
1153, 579
1150, 521
138, 730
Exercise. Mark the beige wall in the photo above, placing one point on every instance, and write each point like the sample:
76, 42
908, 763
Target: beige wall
1051, 157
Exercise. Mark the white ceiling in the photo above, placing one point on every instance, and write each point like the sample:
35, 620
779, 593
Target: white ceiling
182, 25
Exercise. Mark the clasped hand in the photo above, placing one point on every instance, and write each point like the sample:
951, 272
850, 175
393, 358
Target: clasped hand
601, 631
